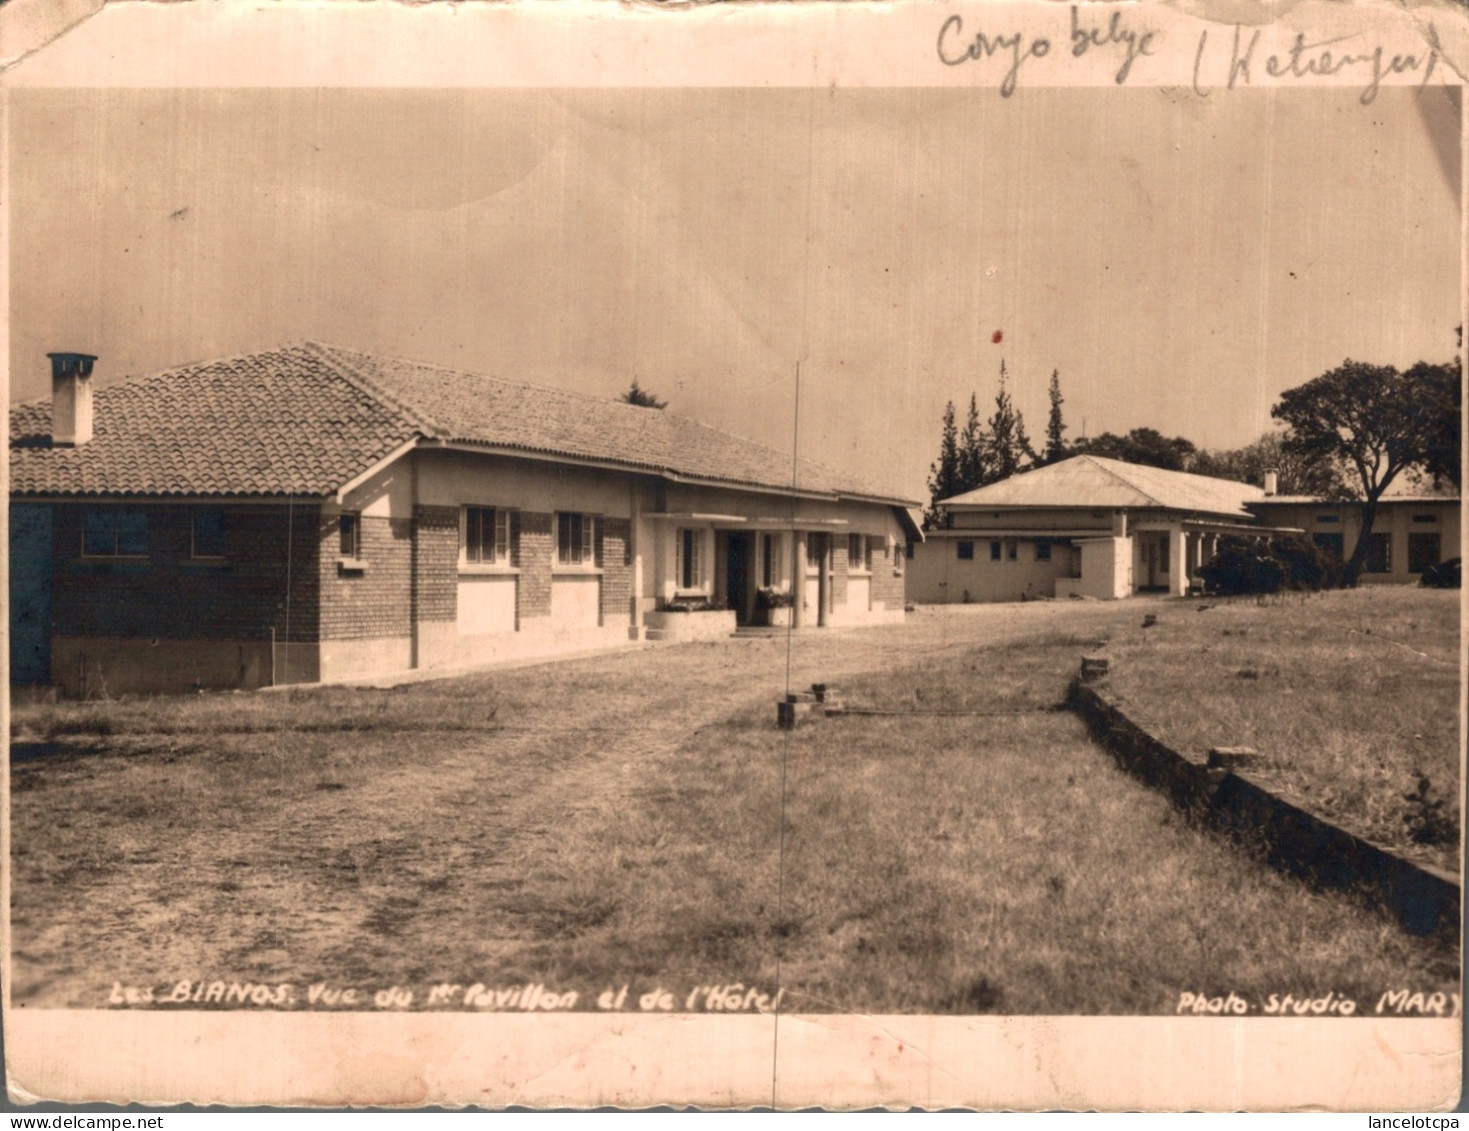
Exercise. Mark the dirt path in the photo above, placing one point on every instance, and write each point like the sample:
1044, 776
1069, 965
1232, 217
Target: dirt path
300, 857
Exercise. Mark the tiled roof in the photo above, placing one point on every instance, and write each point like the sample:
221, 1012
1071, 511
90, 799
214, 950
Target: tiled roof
274, 423
310, 418
1093, 481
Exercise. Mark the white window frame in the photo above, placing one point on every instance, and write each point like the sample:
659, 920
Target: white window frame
585, 530
691, 537
353, 561
862, 563
502, 551
772, 550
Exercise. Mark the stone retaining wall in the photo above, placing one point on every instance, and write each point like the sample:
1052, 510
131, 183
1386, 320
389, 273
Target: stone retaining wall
1421, 898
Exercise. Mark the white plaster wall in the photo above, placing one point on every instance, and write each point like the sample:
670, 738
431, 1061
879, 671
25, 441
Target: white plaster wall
455, 479
388, 494
486, 604
937, 575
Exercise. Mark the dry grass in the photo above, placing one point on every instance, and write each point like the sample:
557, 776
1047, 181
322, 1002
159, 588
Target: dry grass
619, 819
1352, 697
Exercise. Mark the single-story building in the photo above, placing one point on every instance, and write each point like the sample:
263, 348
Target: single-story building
313, 513
1085, 527
1103, 528
1409, 532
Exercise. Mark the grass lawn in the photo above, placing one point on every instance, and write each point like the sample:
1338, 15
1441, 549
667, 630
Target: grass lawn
618, 820
1352, 696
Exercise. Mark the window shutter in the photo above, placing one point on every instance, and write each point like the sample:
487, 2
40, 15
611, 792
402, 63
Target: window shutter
513, 518
502, 535
596, 525
471, 534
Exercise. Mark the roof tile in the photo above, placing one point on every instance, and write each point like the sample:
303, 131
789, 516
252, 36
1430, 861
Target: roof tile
309, 418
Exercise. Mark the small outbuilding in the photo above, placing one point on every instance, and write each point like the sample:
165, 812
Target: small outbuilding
1083, 527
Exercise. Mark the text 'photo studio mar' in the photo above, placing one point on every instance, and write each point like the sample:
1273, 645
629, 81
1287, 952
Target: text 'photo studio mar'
736, 555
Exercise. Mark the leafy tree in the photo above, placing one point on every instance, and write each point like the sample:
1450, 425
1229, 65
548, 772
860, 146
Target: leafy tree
642, 397
1055, 426
943, 473
973, 450
1296, 475
1438, 414
1008, 447
1142, 445
1373, 422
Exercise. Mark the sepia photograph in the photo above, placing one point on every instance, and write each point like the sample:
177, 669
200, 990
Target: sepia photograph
542, 553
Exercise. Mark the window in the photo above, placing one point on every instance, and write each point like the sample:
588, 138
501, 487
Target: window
1423, 550
1330, 543
349, 532
578, 540
994, 551
206, 534
768, 557
1425, 518
1012, 549
899, 555
966, 551
1042, 549
487, 536
1328, 518
1379, 554
689, 568
859, 553
114, 534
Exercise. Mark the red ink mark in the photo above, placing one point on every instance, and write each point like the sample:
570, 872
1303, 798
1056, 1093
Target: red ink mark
997, 336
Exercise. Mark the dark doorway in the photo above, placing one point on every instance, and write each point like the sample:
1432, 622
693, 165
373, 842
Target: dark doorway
737, 580
818, 549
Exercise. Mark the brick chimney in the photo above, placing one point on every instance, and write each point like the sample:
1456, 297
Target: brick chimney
1272, 482
71, 398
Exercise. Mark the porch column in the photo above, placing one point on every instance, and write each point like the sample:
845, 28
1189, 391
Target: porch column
1177, 561
798, 579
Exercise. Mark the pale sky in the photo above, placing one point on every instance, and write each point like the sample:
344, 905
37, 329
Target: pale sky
1179, 261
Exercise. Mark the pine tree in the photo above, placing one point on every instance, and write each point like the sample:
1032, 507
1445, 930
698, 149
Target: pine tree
973, 443
1055, 426
641, 397
943, 474
1009, 446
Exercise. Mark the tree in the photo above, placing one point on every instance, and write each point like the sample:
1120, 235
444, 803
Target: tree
1296, 474
1055, 426
973, 450
1373, 422
1009, 447
1142, 445
943, 473
1438, 413
642, 397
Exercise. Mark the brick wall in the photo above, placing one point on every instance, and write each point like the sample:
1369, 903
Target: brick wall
377, 600
257, 587
886, 587
839, 572
537, 553
616, 571
436, 563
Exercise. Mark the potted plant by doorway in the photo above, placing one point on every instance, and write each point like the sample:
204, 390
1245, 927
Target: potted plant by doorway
774, 606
